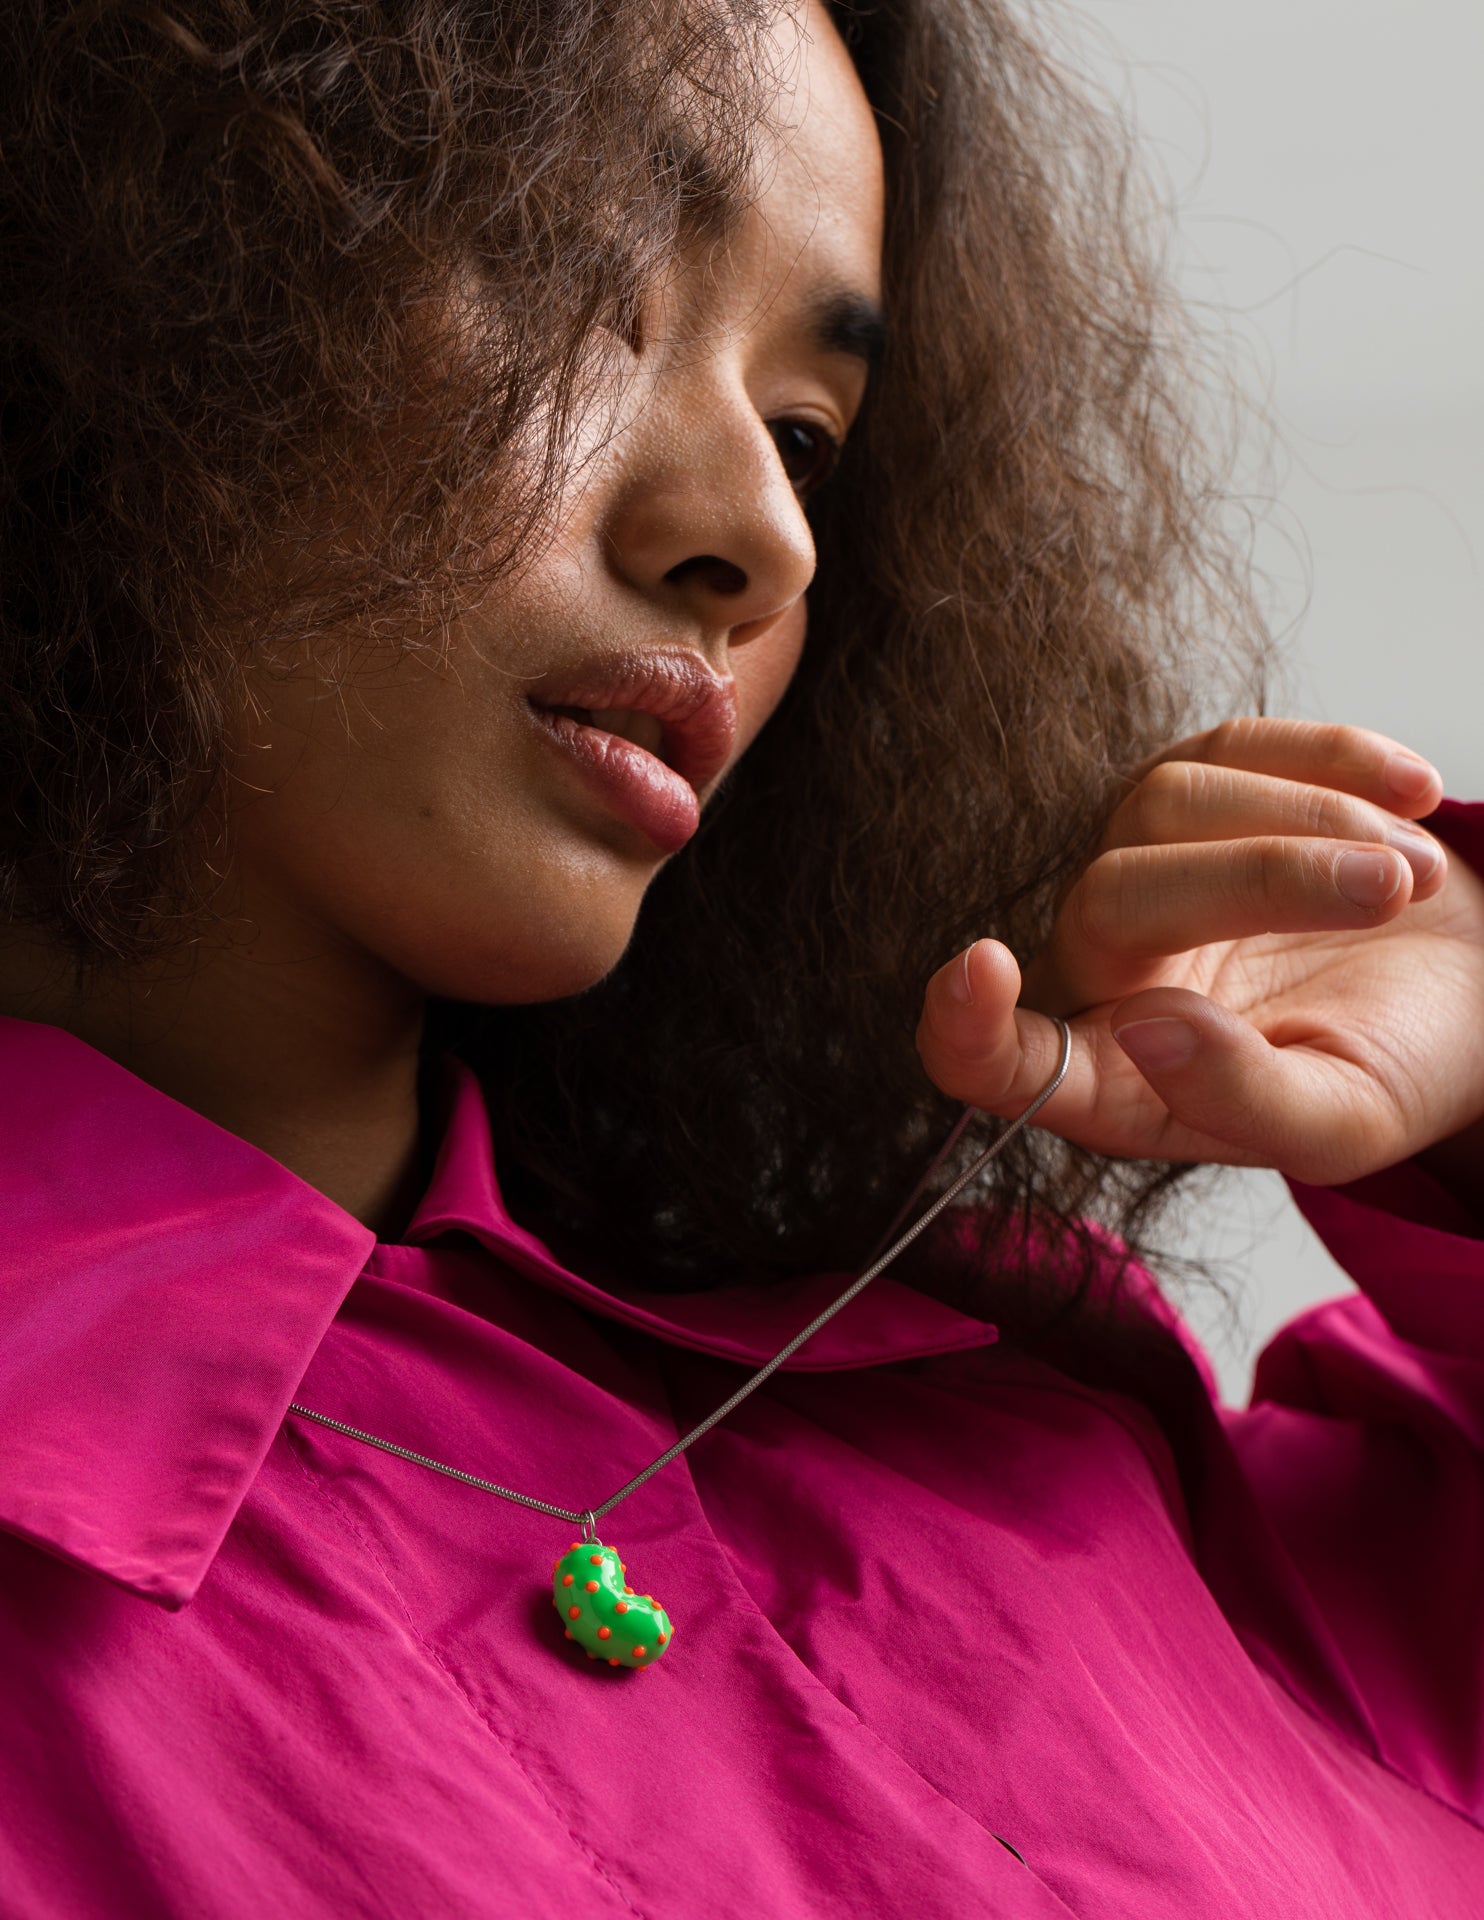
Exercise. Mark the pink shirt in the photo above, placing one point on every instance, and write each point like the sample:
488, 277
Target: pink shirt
927, 1590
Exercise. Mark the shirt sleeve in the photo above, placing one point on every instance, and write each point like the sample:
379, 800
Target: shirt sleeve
1364, 1446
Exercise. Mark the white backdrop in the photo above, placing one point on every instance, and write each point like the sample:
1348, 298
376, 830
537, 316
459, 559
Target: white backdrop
1327, 164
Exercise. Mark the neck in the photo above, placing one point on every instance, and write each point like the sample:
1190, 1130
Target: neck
304, 1048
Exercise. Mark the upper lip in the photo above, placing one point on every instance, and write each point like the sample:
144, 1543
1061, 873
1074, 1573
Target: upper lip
694, 704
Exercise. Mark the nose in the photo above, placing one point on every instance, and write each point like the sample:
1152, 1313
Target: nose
705, 521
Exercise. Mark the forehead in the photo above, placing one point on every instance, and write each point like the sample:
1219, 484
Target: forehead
812, 230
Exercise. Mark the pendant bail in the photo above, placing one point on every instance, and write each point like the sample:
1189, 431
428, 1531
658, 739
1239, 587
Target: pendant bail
589, 1526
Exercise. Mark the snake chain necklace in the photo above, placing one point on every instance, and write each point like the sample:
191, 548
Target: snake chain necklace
590, 1591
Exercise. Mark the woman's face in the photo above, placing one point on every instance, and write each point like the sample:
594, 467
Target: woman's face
485, 825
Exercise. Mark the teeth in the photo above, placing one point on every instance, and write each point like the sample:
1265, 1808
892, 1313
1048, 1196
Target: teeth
642, 728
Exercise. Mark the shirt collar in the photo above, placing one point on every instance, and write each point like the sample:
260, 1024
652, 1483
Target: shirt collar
164, 1285
737, 1322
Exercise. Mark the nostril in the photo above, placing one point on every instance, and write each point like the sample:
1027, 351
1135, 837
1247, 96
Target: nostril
709, 570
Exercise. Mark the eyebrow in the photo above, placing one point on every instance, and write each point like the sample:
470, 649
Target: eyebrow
850, 323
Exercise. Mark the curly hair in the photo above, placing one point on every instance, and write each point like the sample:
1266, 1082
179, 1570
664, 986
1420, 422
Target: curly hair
283, 287
225, 228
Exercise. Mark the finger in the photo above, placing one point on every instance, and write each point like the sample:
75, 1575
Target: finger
980, 1048
1352, 759
1190, 800
1137, 905
1233, 1096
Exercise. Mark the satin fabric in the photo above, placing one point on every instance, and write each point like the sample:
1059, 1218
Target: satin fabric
934, 1598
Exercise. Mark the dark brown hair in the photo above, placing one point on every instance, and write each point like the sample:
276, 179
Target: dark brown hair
284, 282
224, 227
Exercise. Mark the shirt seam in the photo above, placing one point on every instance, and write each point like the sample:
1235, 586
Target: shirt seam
592, 1858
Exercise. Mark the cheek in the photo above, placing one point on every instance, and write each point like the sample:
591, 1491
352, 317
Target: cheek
424, 825
763, 667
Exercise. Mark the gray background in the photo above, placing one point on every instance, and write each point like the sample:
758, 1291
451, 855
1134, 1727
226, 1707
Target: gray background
1326, 163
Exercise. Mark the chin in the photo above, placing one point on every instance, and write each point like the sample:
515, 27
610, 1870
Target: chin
545, 955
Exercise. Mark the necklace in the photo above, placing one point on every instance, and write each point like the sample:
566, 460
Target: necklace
590, 1589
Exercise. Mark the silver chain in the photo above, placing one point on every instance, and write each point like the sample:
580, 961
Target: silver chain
588, 1518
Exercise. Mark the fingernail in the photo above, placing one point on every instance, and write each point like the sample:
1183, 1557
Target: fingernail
1367, 879
959, 986
1407, 776
1421, 854
1158, 1043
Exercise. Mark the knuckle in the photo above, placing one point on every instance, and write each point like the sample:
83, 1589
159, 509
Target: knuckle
1346, 745
1227, 738
1264, 873
1097, 908
949, 1078
1144, 815
959, 1057
961, 1075
1246, 735
1331, 816
1163, 798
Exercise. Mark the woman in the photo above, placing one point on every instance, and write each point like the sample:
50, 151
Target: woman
417, 431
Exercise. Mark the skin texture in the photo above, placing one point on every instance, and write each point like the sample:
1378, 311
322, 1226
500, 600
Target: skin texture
397, 828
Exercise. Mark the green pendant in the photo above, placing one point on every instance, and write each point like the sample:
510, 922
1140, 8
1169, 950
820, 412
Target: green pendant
606, 1618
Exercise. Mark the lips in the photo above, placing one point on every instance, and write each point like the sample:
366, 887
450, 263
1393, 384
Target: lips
669, 704
649, 732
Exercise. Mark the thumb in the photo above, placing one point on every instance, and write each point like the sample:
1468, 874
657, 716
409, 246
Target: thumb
978, 1047
1226, 1085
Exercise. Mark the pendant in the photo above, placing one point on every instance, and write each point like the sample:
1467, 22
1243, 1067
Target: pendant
603, 1614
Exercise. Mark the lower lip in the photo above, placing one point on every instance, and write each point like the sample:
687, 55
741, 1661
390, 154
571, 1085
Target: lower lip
634, 785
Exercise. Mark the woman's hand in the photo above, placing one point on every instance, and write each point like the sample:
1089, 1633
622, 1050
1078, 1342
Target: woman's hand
1266, 963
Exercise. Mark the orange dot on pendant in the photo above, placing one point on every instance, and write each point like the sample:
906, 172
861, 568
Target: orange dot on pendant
595, 1559
659, 1639
605, 1633
592, 1586
620, 1606
568, 1632
566, 1579
574, 1613
574, 1546
639, 1653
614, 1661
628, 1589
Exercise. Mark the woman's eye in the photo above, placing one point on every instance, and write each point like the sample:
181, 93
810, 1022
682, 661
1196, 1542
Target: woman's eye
807, 452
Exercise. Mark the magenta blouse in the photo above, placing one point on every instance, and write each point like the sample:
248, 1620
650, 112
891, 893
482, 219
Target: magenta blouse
934, 1599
